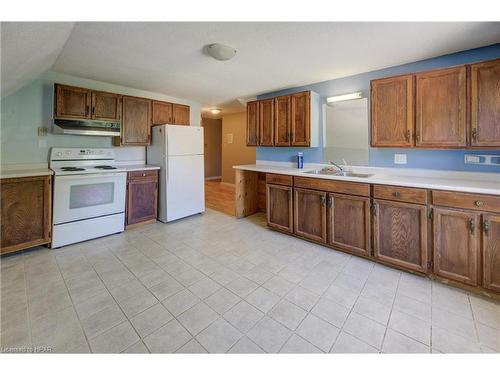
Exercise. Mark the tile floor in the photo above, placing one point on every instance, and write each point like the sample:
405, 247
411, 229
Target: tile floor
211, 283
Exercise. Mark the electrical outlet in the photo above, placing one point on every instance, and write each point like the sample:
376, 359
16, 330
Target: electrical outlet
42, 132
399, 158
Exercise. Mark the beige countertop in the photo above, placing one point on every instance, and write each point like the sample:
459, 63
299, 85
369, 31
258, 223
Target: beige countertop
138, 167
472, 182
16, 171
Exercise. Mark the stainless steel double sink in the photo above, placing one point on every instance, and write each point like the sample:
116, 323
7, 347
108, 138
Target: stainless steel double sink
335, 172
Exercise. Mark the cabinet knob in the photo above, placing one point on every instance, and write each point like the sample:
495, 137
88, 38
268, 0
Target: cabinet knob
479, 203
144, 175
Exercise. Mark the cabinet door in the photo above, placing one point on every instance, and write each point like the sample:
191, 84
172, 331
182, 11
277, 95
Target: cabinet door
491, 252
400, 234
252, 123
136, 121
181, 114
279, 207
392, 108
26, 212
456, 245
310, 214
485, 104
349, 223
301, 119
72, 102
162, 113
142, 200
441, 102
282, 121
266, 122
106, 106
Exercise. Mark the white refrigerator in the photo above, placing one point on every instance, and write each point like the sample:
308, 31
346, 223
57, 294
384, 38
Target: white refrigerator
178, 151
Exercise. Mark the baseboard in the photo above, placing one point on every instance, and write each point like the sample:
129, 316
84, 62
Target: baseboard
227, 184
213, 178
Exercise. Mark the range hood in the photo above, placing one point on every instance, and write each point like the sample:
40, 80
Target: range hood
86, 127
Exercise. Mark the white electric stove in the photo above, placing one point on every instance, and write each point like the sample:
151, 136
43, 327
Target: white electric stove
89, 194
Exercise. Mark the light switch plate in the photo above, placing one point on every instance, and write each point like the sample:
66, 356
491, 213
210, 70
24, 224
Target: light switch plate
42, 132
399, 158
230, 138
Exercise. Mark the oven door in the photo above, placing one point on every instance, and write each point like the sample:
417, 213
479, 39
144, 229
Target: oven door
78, 197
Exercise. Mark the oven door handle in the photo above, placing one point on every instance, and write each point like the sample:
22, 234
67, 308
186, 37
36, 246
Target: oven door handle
89, 175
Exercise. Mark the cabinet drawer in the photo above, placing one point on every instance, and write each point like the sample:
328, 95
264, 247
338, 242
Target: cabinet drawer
279, 179
466, 200
152, 173
400, 194
352, 188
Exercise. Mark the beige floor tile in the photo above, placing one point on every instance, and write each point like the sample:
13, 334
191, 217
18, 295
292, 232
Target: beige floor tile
114, 340
278, 285
269, 335
365, 329
331, 312
302, 298
243, 316
342, 296
150, 320
347, 343
102, 321
137, 348
138, 303
372, 309
219, 337
242, 286
413, 307
197, 318
396, 342
449, 342
204, 288
245, 346
222, 300
263, 299
489, 337
166, 288
287, 314
180, 302
192, 347
410, 326
297, 344
318, 332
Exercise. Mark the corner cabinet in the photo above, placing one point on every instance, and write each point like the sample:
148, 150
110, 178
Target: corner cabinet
26, 212
136, 121
142, 197
284, 121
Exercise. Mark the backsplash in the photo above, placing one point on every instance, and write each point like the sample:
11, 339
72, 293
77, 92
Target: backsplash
31, 107
383, 157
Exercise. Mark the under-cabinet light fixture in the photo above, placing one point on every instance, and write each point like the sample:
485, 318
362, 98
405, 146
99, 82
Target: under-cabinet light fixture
344, 97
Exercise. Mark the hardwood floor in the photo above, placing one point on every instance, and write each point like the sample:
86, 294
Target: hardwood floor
219, 196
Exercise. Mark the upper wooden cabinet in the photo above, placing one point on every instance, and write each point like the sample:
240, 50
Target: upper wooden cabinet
266, 122
180, 114
136, 121
72, 102
289, 120
106, 106
301, 119
253, 123
282, 118
441, 108
162, 112
392, 112
485, 104
26, 212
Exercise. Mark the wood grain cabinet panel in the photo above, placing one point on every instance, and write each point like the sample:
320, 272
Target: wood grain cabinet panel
180, 114
136, 121
282, 121
26, 212
441, 108
310, 214
349, 223
392, 109
491, 252
400, 193
253, 123
456, 245
266, 122
162, 112
485, 104
301, 119
279, 179
142, 196
280, 207
400, 234
469, 201
72, 102
106, 106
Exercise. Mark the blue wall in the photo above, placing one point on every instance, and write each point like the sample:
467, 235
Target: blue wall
434, 159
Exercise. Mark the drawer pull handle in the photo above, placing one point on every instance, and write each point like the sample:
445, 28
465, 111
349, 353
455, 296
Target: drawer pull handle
397, 194
472, 225
486, 227
479, 203
144, 175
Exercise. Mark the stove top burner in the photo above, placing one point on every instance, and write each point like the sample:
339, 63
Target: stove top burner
71, 169
104, 167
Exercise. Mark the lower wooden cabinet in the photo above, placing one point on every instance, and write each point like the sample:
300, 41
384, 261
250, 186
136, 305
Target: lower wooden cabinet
456, 245
280, 207
310, 214
400, 234
26, 212
142, 197
491, 252
349, 223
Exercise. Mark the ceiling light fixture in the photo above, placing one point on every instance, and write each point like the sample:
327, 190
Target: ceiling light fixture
344, 97
220, 52
215, 111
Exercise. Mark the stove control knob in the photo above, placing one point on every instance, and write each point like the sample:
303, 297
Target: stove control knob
58, 153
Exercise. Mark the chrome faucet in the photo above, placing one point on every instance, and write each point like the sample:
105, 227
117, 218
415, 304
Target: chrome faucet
338, 166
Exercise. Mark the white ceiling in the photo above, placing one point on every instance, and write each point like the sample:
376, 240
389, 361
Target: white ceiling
168, 57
